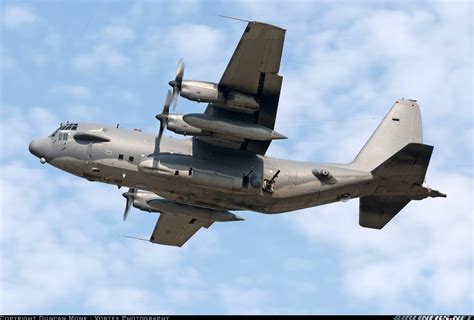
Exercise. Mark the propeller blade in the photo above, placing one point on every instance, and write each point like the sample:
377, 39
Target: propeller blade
175, 98
166, 108
163, 118
160, 134
179, 72
129, 195
176, 83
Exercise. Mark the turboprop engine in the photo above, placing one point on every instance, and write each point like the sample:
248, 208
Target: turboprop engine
210, 92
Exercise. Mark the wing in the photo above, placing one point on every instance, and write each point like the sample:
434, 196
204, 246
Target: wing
174, 230
252, 71
258, 54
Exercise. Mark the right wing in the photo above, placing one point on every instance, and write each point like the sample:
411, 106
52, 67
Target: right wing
174, 230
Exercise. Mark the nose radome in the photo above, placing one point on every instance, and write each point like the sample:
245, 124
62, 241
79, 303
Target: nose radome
40, 148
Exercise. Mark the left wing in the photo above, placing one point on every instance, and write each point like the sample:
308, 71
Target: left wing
174, 230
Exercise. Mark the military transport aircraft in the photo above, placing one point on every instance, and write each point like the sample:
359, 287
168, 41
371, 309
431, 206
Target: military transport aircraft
222, 167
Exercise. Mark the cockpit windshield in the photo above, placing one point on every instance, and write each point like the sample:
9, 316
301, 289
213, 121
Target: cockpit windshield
64, 127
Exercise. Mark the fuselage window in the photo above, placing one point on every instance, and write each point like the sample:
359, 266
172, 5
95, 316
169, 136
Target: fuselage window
120, 156
130, 159
74, 126
68, 127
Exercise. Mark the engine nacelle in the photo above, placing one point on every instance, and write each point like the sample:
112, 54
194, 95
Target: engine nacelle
177, 125
141, 198
202, 91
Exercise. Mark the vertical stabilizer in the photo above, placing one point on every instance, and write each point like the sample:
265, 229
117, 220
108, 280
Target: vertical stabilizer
401, 126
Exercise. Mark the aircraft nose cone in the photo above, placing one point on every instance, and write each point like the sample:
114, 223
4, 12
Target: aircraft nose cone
40, 147
172, 83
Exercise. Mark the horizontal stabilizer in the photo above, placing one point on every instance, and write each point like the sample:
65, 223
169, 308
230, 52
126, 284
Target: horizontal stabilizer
402, 180
376, 211
407, 165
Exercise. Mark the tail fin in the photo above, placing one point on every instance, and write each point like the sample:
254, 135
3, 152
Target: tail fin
401, 125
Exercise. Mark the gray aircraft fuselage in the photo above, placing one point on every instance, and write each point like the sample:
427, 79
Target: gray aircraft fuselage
192, 172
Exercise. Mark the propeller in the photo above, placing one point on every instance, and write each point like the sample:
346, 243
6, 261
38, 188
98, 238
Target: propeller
130, 196
176, 83
163, 118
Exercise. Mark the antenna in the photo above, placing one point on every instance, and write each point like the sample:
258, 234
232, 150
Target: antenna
136, 238
232, 18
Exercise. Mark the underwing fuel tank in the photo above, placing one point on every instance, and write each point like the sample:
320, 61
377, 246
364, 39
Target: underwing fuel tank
239, 129
163, 205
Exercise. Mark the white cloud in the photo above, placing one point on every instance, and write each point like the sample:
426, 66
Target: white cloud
242, 299
17, 16
74, 91
117, 34
18, 128
201, 49
101, 56
105, 53
126, 300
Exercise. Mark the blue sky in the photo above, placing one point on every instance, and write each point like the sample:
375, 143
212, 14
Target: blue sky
344, 65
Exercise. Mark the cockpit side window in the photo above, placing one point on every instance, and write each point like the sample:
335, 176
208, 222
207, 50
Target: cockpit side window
55, 132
